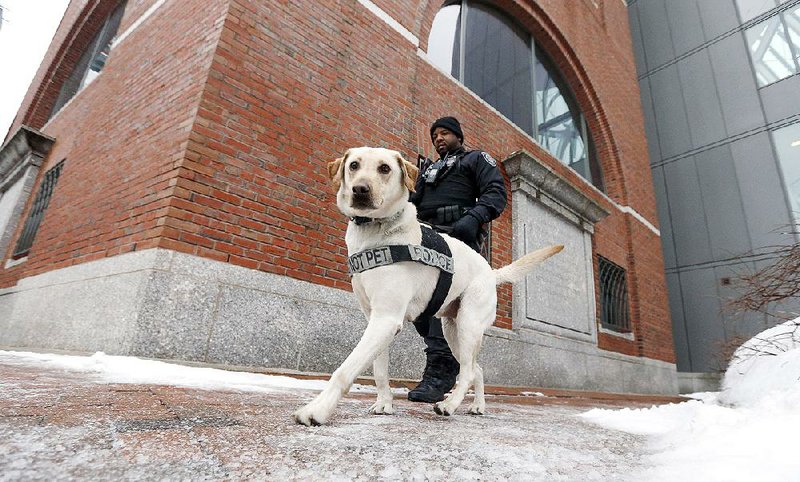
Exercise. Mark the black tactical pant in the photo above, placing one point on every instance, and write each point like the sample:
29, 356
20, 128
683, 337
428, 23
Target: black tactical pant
431, 331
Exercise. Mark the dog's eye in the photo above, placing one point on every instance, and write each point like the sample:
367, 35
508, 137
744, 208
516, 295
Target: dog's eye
353, 166
384, 169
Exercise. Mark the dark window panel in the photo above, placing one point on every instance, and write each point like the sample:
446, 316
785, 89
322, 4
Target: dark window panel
37, 211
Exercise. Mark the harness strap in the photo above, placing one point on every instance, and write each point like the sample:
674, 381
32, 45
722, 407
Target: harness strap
433, 251
434, 240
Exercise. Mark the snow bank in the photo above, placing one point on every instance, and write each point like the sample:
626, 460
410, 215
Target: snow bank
130, 370
767, 365
747, 432
700, 441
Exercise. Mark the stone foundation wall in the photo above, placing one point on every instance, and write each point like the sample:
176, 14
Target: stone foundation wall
165, 304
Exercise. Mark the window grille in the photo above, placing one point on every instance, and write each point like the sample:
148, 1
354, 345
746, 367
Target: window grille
37, 211
614, 309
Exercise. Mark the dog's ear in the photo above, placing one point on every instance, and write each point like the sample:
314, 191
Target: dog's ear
336, 171
410, 172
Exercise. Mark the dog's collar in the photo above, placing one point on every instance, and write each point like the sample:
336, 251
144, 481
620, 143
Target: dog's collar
362, 220
359, 220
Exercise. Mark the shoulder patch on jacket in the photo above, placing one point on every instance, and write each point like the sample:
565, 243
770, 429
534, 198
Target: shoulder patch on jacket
489, 159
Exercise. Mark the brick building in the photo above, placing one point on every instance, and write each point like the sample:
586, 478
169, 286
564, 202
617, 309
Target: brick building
164, 191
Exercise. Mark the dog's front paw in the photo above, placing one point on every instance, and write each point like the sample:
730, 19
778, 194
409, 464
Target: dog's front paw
382, 408
443, 409
477, 408
309, 417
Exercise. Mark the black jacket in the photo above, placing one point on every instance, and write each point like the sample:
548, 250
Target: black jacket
472, 181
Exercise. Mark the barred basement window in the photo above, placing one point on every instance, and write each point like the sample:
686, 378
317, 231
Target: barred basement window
37, 211
614, 310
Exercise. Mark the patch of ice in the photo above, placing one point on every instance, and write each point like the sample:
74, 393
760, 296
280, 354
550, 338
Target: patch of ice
533, 394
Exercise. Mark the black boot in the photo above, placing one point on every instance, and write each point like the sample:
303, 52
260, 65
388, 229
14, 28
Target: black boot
439, 377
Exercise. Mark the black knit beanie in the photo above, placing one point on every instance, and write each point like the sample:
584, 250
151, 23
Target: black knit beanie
451, 124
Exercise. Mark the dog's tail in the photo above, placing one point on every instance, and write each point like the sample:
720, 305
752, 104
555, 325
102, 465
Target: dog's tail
518, 269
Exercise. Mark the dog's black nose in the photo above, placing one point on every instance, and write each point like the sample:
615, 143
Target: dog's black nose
361, 189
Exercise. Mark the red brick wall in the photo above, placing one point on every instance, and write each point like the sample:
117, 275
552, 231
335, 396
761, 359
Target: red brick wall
596, 58
123, 138
134, 10
291, 86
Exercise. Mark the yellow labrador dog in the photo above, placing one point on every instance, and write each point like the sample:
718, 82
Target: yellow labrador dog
372, 185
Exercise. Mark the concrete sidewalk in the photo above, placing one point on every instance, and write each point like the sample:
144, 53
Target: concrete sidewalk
64, 425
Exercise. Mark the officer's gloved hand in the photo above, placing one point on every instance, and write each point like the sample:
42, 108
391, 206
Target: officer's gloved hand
467, 229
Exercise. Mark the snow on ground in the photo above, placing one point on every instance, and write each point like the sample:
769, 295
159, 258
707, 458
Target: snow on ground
747, 432
62, 419
132, 370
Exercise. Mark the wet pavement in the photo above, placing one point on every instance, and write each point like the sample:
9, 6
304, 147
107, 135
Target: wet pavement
58, 424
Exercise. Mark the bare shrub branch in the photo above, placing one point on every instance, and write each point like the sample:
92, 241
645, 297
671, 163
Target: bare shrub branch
777, 282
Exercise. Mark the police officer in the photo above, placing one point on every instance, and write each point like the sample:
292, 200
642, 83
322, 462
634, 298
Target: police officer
457, 194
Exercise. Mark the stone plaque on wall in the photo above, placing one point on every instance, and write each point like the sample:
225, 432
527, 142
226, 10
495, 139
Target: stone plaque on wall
558, 297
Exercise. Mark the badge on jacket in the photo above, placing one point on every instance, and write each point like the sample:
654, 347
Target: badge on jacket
489, 159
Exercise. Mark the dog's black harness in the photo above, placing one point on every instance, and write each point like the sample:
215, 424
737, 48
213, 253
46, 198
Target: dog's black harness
433, 251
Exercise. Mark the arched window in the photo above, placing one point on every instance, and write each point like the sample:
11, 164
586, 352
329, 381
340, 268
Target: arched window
92, 60
497, 59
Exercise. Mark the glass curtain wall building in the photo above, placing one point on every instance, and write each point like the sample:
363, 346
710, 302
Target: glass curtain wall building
720, 90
